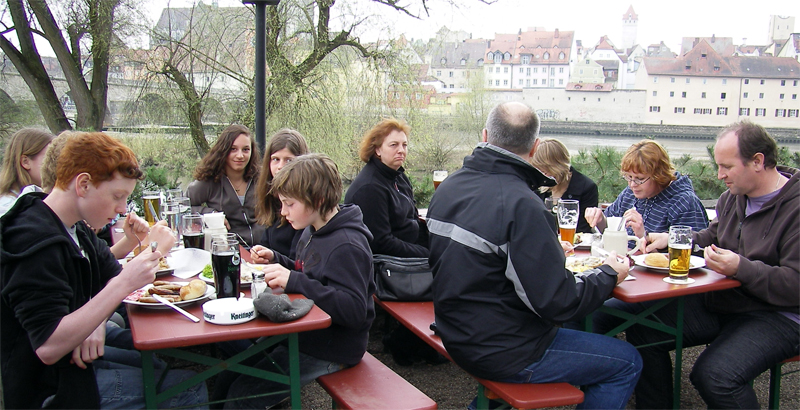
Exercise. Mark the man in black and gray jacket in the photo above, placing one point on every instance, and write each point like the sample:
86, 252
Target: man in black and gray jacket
500, 282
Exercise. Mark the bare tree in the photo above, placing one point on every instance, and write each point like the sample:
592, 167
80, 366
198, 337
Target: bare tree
90, 26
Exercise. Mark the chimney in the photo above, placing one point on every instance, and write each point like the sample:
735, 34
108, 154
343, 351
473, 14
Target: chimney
713, 38
555, 35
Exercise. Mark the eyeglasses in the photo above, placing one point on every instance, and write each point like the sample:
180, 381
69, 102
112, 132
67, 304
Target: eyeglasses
635, 181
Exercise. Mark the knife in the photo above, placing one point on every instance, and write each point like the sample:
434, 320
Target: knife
153, 212
177, 309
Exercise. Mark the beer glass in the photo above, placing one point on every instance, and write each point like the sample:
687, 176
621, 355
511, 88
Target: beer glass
551, 204
173, 193
171, 215
680, 252
225, 261
151, 202
438, 177
192, 231
568, 214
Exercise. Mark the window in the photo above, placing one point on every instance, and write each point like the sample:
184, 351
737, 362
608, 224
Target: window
452, 86
443, 61
463, 61
794, 83
594, 71
528, 83
520, 82
744, 95
761, 112
655, 93
703, 94
505, 82
672, 79
552, 71
780, 112
507, 56
497, 69
722, 110
781, 96
438, 73
794, 96
546, 55
521, 70
535, 81
723, 95
724, 81
505, 70
490, 56
783, 83
794, 113
581, 71
761, 95
526, 59
702, 110
763, 82
655, 79
490, 83
744, 111
561, 70
561, 55
560, 81
688, 80
498, 58
704, 80
672, 93
683, 94
551, 82
451, 74
496, 82
655, 108
680, 110
480, 62
747, 81
528, 71
535, 70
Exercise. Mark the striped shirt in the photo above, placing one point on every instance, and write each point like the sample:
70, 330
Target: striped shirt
677, 204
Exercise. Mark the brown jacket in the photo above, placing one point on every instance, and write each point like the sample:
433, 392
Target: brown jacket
768, 242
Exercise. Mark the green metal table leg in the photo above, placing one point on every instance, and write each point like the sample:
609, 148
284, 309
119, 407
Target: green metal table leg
775, 387
294, 370
676, 382
149, 380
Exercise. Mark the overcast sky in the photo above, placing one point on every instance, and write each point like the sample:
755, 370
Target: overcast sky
590, 19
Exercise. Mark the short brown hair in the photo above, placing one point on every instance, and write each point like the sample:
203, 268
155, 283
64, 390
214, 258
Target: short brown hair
312, 179
212, 165
97, 154
268, 207
375, 136
753, 139
50, 161
28, 142
552, 156
649, 157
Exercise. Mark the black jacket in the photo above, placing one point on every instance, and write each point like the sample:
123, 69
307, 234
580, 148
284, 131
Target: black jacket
334, 269
387, 201
281, 238
500, 284
44, 278
584, 190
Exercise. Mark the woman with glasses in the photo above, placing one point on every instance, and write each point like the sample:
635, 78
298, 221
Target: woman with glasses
657, 196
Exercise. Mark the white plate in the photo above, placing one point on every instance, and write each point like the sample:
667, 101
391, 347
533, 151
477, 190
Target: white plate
188, 262
586, 241
210, 290
694, 263
245, 274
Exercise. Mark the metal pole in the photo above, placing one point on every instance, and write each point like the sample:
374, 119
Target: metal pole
261, 69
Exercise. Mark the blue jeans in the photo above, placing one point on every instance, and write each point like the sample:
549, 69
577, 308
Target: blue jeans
121, 387
608, 368
740, 347
232, 385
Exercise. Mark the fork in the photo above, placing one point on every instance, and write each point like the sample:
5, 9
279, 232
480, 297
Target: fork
129, 210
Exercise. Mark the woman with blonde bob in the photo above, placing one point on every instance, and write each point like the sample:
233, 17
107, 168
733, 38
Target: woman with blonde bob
657, 196
552, 158
384, 193
22, 162
283, 147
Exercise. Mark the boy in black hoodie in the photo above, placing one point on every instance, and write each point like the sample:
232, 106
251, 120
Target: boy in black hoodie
333, 268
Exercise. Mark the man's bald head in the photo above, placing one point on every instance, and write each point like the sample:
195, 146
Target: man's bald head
513, 126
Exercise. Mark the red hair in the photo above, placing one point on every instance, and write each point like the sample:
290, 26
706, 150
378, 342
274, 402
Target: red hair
98, 155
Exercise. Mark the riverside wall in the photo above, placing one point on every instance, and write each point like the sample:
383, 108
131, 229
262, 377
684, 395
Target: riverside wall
783, 135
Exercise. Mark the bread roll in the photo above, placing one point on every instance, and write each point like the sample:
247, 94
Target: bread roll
193, 290
656, 260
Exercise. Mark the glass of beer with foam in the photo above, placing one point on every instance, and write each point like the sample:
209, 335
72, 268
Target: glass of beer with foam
438, 177
568, 214
680, 252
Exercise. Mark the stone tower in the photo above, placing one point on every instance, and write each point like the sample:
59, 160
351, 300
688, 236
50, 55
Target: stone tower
630, 23
780, 28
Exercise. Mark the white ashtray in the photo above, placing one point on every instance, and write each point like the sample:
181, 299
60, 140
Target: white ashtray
229, 311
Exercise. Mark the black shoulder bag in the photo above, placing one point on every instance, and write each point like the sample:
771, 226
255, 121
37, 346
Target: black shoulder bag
402, 279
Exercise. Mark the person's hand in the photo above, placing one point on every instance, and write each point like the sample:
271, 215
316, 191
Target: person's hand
635, 221
135, 228
261, 254
595, 217
722, 261
162, 234
655, 241
140, 270
91, 348
227, 225
620, 266
276, 276
567, 247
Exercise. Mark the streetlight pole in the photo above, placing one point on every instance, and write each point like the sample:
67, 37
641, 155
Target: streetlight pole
261, 68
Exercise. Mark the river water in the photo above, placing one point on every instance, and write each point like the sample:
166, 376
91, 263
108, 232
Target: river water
675, 147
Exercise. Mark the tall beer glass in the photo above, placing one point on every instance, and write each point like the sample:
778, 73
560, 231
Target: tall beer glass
171, 215
192, 231
680, 252
151, 201
438, 177
225, 262
568, 214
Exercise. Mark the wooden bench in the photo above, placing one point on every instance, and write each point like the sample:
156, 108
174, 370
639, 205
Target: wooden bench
775, 383
372, 385
418, 316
